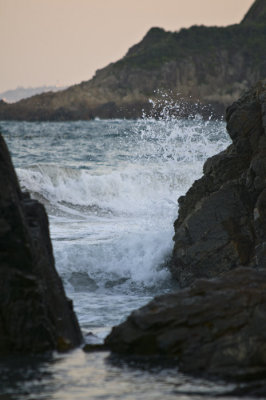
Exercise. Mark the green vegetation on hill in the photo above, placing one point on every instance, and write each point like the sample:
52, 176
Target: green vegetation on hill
159, 46
206, 65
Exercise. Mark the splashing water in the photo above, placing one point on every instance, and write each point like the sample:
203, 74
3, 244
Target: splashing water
111, 189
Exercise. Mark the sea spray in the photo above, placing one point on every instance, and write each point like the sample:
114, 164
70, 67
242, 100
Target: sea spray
111, 189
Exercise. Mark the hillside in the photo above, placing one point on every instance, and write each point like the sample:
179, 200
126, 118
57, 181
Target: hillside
210, 65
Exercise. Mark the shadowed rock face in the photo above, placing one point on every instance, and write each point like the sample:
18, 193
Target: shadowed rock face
215, 327
35, 314
222, 218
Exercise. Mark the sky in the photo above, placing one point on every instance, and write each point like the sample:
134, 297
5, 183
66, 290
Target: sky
62, 42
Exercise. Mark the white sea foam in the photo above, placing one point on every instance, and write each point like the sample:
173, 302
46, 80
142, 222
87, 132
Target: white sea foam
130, 191
114, 222
110, 188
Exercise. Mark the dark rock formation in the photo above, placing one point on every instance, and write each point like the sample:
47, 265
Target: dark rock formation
216, 327
222, 218
210, 65
35, 314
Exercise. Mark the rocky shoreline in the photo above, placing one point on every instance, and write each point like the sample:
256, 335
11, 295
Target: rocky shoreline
216, 326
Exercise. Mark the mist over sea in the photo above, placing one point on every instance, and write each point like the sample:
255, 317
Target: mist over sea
110, 188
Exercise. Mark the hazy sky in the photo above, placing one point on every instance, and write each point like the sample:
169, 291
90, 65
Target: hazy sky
64, 41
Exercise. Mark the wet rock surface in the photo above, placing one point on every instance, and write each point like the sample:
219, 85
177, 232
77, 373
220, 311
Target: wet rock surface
222, 218
35, 314
216, 327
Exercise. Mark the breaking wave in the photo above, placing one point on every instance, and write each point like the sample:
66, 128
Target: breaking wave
111, 218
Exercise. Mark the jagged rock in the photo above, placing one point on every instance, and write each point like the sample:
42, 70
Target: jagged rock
216, 327
222, 219
35, 314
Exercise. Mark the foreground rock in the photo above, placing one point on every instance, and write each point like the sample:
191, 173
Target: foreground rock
222, 218
216, 327
35, 314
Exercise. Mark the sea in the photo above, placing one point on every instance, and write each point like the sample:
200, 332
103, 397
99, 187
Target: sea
110, 188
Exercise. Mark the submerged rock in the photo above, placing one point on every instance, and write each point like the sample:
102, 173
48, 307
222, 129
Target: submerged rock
81, 281
216, 327
222, 218
35, 314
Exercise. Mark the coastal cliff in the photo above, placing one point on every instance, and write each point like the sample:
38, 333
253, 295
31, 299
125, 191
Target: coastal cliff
207, 65
35, 314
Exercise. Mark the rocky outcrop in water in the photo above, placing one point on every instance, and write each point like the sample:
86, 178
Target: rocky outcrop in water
217, 326
210, 65
222, 220
35, 314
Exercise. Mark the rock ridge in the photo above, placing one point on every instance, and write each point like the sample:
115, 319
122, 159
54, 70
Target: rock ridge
256, 13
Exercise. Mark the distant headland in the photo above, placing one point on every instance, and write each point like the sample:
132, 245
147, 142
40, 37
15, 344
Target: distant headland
14, 95
209, 66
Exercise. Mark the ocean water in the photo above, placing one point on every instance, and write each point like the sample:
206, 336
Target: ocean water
110, 188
